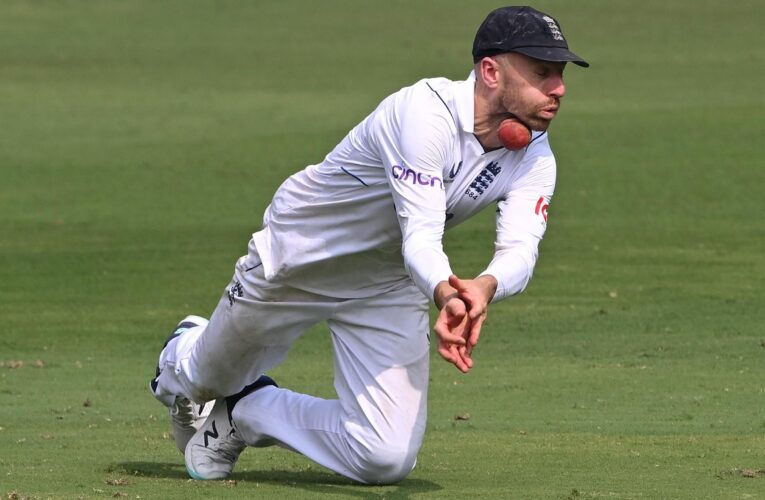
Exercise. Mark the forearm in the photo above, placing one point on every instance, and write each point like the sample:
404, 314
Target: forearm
512, 270
426, 264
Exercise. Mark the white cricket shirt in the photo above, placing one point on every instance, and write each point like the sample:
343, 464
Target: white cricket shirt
371, 216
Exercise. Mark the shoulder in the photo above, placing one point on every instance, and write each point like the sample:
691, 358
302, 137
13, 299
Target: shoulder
540, 144
430, 86
419, 119
424, 115
537, 166
539, 154
429, 96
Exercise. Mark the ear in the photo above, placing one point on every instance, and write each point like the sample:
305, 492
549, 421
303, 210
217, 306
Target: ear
488, 71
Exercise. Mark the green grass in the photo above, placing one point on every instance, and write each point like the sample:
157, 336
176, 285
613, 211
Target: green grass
142, 140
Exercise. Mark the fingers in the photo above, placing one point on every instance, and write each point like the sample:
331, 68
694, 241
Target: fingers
452, 353
453, 328
456, 283
471, 295
451, 325
460, 353
465, 355
448, 337
465, 290
458, 330
475, 331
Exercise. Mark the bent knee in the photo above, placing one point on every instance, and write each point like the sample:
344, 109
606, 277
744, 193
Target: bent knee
204, 387
204, 394
381, 464
201, 389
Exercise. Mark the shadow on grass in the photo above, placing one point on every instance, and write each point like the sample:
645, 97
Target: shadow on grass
312, 481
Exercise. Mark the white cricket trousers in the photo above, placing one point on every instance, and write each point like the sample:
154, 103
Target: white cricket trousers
372, 432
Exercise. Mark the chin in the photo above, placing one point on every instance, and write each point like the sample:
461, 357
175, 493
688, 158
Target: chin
539, 125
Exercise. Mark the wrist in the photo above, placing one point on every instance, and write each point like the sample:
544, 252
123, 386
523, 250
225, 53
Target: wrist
443, 293
489, 285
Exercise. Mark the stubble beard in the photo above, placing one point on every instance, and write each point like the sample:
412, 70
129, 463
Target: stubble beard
512, 102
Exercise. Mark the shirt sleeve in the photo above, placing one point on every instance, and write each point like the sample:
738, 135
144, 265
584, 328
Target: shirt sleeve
416, 151
521, 224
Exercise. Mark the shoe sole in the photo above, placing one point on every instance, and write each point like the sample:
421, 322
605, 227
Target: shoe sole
194, 475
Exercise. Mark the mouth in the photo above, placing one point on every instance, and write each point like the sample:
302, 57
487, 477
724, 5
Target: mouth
549, 112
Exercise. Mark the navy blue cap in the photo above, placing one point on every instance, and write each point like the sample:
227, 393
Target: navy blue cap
524, 30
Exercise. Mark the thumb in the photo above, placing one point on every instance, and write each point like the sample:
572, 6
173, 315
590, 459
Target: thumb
456, 283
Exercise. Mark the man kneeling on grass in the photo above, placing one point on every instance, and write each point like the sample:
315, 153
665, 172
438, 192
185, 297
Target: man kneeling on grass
356, 242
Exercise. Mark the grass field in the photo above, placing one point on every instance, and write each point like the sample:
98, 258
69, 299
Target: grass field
141, 142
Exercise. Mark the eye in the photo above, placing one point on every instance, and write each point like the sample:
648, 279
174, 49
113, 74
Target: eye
549, 70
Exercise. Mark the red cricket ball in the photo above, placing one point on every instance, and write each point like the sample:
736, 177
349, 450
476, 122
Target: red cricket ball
513, 134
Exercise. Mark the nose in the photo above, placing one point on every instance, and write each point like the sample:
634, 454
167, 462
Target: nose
557, 88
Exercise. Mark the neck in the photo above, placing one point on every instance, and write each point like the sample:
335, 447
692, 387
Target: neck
485, 121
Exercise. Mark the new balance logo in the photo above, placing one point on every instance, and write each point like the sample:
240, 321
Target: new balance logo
181, 330
235, 291
211, 434
453, 172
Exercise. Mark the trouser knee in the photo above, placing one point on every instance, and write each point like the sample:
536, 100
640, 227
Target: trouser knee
385, 464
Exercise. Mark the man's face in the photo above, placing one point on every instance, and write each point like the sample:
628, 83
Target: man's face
531, 88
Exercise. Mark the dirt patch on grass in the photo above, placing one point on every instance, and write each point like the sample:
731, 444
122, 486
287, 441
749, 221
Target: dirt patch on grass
746, 472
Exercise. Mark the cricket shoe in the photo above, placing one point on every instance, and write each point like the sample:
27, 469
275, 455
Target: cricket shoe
186, 417
213, 451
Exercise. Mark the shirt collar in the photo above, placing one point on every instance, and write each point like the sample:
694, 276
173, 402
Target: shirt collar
465, 103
